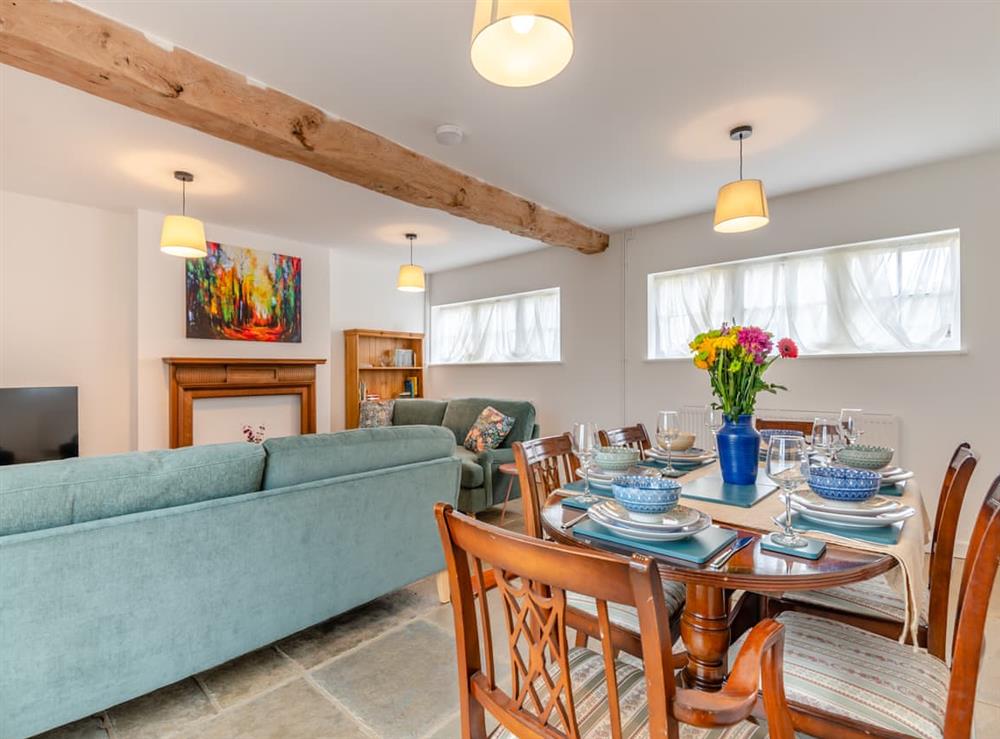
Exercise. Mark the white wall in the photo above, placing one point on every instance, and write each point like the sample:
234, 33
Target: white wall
941, 399
67, 310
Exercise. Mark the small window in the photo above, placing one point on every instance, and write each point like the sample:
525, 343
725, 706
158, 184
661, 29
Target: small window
888, 296
506, 328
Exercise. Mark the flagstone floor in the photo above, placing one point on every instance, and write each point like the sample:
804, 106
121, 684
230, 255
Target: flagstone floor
386, 669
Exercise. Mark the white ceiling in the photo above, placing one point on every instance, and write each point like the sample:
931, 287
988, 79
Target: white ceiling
633, 131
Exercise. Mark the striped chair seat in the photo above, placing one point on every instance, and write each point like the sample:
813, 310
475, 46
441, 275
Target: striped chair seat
859, 675
625, 616
874, 598
590, 697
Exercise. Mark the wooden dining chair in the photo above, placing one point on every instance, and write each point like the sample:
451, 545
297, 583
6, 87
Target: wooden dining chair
544, 465
633, 437
557, 690
784, 424
845, 682
874, 605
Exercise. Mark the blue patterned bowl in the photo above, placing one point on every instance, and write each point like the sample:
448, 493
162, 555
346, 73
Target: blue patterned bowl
646, 498
844, 483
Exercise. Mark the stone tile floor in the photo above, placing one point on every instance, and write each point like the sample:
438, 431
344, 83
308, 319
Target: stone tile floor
386, 669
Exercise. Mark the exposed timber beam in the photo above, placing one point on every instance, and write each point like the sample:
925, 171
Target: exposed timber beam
77, 47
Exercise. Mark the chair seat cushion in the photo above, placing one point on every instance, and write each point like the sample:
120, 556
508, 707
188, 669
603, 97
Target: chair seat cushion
853, 673
590, 696
626, 617
874, 598
472, 471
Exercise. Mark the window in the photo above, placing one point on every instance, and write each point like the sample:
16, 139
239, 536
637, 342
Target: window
893, 295
508, 328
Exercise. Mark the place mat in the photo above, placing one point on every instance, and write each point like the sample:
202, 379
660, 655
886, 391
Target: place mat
815, 549
696, 549
714, 490
884, 535
680, 469
895, 488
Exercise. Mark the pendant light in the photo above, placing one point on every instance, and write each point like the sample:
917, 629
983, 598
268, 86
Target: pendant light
411, 276
741, 205
519, 43
183, 236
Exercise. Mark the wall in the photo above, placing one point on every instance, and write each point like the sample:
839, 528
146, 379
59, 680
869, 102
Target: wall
941, 399
66, 310
161, 327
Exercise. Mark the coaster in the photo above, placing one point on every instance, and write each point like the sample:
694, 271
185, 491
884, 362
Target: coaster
813, 550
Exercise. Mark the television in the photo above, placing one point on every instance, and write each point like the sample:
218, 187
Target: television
38, 424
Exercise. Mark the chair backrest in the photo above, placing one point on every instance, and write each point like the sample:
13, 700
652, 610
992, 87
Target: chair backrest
978, 577
543, 466
956, 482
633, 437
782, 424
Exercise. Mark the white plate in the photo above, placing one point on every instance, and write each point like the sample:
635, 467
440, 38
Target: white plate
658, 453
858, 522
676, 518
703, 523
872, 507
898, 477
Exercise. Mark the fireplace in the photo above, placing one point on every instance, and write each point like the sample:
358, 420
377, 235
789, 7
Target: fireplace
196, 378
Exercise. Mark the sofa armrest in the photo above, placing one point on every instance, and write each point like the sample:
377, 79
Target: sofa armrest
536, 432
494, 458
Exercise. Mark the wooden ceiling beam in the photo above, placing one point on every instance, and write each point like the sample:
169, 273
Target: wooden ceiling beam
77, 47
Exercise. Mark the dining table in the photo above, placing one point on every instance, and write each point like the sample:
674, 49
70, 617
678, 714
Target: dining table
705, 622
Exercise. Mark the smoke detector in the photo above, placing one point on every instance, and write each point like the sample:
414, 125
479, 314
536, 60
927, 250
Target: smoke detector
448, 134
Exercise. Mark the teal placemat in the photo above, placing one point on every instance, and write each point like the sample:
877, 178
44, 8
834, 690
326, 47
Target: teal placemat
813, 550
577, 486
680, 468
883, 535
714, 490
895, 489
696, 549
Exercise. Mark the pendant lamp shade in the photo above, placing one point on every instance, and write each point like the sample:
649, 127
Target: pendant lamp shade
411, 278
741, 206
183, 236
520, 43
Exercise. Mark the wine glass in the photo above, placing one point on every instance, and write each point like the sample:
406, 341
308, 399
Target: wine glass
713, 422
668, 428
788, 466
850, 419
826, 438
584, 437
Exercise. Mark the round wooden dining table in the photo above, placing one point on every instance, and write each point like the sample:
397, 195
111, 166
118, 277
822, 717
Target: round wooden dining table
705, 621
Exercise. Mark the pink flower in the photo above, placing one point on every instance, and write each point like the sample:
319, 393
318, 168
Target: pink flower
788, 349
756, 341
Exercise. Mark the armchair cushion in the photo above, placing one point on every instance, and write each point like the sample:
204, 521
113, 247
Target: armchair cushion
418, 412
853, 673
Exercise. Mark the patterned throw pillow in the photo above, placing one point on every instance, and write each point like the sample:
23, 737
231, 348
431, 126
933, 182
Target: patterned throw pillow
489, 430
376, 413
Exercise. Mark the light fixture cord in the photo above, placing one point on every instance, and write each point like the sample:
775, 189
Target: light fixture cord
411, 249
183, 198
741, 157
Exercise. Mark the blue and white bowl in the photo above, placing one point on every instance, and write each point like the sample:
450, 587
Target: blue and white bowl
844, 483
646, 498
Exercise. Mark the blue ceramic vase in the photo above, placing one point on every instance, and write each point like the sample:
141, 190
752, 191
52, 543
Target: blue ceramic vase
739, 447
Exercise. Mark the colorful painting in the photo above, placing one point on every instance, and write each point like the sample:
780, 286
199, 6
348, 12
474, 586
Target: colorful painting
244, 295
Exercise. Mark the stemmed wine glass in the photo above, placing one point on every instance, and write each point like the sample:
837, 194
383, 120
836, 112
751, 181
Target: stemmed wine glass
826, 438
850, 424
713, 422
668, 428
584, 440
788, 466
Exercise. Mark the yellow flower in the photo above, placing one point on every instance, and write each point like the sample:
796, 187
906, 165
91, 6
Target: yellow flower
726, 342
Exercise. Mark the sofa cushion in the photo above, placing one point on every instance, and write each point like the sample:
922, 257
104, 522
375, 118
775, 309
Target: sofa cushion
472, 471
48, 494
292, 460
463, 412
489, 430
418, 411
375, 413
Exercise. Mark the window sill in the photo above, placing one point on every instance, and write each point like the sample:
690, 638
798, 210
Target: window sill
496, 364
853, 355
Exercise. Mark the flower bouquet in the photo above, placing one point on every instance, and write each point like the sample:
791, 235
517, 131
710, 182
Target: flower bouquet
736, 358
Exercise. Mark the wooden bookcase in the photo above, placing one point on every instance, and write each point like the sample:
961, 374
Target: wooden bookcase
365, 351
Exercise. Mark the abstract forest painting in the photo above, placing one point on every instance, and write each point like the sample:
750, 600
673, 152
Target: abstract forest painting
244, 295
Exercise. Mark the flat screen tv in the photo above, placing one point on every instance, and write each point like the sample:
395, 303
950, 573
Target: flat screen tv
37, 424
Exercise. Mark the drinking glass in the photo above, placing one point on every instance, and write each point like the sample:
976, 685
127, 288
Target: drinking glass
850, 424
584, 440
668, 428
788, 466
826, 438
713, 422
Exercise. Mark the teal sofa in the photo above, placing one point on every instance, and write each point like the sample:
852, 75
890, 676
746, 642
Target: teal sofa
122, 574
483, 485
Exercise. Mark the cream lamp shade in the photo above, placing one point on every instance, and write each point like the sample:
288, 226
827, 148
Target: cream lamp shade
183, 236
411, 278
519, 43
741, 206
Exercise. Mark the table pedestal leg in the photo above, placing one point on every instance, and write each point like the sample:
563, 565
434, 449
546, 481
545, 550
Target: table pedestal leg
705, 631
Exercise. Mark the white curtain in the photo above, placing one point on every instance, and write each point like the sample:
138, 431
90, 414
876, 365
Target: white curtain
507, 328
895, 295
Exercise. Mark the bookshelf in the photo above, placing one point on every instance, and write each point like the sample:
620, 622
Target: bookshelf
365, 353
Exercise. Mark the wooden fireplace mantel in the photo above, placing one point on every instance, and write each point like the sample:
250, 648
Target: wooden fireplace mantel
203, 377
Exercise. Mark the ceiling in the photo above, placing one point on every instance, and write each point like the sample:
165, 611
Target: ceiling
633, 131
